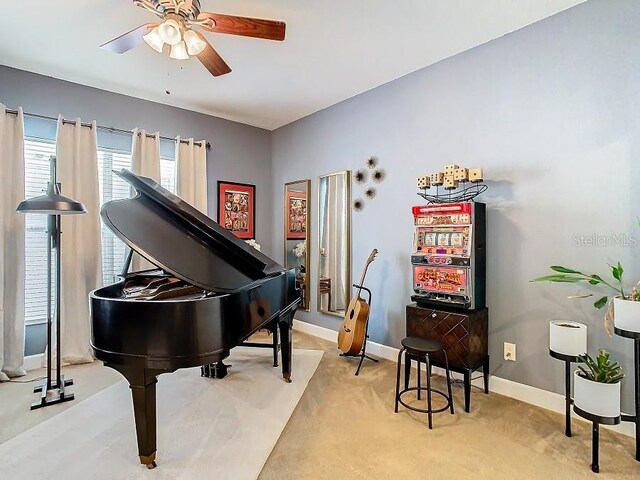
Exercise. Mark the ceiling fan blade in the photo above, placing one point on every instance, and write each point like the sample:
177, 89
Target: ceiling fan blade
128, 40
211, 60
247, 27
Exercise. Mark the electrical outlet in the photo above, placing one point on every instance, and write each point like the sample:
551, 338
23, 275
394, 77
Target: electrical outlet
510, 351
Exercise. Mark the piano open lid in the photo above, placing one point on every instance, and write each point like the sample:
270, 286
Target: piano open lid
178, 238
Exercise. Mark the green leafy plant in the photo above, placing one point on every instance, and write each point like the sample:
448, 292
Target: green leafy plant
569, 275
602, 369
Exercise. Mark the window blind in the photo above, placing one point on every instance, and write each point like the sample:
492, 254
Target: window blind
37, 164
37, 154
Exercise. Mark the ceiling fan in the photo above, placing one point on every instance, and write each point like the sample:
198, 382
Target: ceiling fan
176, 29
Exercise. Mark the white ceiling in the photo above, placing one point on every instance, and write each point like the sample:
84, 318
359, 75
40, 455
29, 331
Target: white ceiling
334, 49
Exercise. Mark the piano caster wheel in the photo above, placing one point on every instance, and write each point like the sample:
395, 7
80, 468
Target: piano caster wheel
287, 377
151, 465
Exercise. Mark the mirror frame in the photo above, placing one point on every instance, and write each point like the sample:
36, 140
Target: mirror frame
307, 254
347, 174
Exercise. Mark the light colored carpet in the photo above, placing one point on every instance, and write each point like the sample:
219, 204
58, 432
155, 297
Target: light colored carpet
206, 428
344, 427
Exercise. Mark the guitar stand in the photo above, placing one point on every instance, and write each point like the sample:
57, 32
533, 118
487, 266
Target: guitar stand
363, 353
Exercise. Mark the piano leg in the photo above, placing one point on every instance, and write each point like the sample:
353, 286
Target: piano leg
285, 323
274, 339
143, 392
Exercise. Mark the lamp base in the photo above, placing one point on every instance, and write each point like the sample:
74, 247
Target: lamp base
61, 397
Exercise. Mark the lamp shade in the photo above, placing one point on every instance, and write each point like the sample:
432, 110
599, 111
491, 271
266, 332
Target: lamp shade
169, 32
195, 45
51, 203
154, 40
179, 52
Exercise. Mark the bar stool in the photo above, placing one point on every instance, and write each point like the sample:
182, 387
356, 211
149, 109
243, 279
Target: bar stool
419, 349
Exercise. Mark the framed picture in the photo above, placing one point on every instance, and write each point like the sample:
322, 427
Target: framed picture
236, 208
296, 215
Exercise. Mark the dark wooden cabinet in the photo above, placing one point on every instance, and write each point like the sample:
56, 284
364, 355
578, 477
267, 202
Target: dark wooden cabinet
464, 335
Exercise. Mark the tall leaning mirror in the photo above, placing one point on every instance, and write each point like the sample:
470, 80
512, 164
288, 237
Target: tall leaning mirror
334, 242
297, 212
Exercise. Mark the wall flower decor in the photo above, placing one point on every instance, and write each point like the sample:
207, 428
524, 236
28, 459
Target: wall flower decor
370, 193
373, 173
378, 175
360, 176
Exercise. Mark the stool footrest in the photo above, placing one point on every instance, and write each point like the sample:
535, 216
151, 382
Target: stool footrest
424, 410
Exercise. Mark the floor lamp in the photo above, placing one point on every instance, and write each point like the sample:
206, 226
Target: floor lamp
52, 204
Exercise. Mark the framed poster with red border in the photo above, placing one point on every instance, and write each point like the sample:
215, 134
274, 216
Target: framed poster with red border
296, 214
236, 208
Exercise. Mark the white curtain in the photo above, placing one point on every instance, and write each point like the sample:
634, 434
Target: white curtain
81, 266
145, 161
191, 181
11, 245
145, 154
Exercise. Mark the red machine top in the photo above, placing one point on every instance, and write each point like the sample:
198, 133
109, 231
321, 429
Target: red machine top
443, 214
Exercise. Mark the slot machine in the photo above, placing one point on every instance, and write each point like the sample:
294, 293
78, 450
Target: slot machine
449, 255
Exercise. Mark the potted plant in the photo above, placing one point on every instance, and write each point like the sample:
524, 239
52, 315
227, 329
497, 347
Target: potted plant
625, 308
568, 338
596, 387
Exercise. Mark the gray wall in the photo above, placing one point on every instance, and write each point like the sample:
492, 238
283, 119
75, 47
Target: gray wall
551, 113
239, 152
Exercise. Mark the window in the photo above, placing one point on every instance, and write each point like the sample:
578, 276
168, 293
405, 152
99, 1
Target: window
112, 187
36, 157
37, 169
168, 173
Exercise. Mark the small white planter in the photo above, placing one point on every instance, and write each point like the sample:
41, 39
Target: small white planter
602, 399
626, 315
568, 338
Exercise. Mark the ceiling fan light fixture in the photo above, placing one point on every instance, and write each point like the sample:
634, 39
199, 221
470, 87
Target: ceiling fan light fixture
169, 32
179, 51
154, 40
195, 45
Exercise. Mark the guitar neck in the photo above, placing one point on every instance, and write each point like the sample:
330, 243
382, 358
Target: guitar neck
364, 273
371, 258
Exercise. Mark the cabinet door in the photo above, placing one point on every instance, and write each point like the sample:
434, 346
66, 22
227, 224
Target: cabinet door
451, 329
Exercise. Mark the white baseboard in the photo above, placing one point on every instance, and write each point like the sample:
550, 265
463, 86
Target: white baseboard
519, 391
33, 362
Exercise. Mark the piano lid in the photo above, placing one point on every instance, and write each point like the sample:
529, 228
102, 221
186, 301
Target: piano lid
178, 238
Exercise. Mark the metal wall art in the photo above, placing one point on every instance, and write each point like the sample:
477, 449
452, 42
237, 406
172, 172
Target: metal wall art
375, 174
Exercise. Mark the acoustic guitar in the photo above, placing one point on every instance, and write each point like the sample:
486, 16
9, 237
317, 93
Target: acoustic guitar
352, 333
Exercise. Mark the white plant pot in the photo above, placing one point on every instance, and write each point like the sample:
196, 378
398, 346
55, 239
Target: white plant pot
568, 338
626, 315
602, 399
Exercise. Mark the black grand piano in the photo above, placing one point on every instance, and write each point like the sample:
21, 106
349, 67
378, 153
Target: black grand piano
209, 293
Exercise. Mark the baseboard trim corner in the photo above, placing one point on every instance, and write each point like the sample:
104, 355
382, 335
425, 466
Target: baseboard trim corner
518, 391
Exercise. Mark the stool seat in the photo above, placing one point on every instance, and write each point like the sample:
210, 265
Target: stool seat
418, 348
421, 345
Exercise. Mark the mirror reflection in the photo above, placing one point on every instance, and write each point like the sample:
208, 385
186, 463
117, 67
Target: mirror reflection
296, 230
334, 241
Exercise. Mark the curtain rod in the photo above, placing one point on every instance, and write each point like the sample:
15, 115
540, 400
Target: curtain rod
101, 127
